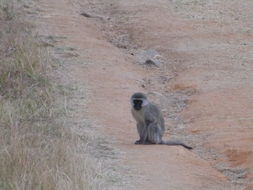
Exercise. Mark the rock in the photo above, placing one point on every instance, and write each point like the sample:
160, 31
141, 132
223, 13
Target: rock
150, 57
152, 62
86, 15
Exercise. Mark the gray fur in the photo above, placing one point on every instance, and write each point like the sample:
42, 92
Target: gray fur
150, 123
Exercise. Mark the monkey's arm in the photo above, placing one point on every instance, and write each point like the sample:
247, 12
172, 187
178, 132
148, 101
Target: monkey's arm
143, 133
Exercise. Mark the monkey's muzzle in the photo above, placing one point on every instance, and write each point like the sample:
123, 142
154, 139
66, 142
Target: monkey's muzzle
137, 104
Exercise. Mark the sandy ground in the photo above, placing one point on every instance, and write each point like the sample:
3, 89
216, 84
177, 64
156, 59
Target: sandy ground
203, 82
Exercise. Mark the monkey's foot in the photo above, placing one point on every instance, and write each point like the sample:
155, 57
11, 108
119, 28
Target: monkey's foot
142, 142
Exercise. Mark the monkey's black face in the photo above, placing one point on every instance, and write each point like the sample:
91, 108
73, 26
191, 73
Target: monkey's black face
137, 104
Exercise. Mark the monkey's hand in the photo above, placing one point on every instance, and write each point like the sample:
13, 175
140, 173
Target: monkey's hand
139, 142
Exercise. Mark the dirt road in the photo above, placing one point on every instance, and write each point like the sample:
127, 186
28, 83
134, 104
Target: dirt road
203, 82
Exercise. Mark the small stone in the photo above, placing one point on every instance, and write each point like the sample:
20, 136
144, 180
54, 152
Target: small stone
152, 62
86, 15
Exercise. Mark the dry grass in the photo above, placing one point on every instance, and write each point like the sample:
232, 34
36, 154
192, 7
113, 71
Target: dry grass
37, 151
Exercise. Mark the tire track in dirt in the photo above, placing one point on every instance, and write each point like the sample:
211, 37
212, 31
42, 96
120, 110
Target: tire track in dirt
111, 77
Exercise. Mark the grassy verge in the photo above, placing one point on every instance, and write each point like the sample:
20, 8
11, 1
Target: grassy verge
37, 151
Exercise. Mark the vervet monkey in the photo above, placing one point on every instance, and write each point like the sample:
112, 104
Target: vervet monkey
150, 122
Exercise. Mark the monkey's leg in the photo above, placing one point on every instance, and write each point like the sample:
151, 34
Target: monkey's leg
154, 133
142, 130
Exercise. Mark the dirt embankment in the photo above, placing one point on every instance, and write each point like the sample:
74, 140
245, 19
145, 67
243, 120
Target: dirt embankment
203, 82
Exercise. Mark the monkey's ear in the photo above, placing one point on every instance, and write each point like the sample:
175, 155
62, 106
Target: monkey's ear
132, 102
144, 102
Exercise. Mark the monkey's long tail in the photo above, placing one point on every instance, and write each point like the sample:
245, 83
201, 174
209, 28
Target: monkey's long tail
176, 143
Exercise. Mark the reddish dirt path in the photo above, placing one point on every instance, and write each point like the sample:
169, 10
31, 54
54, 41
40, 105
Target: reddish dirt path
111, 72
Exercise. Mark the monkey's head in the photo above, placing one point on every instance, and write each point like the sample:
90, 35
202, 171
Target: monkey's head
139, 100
